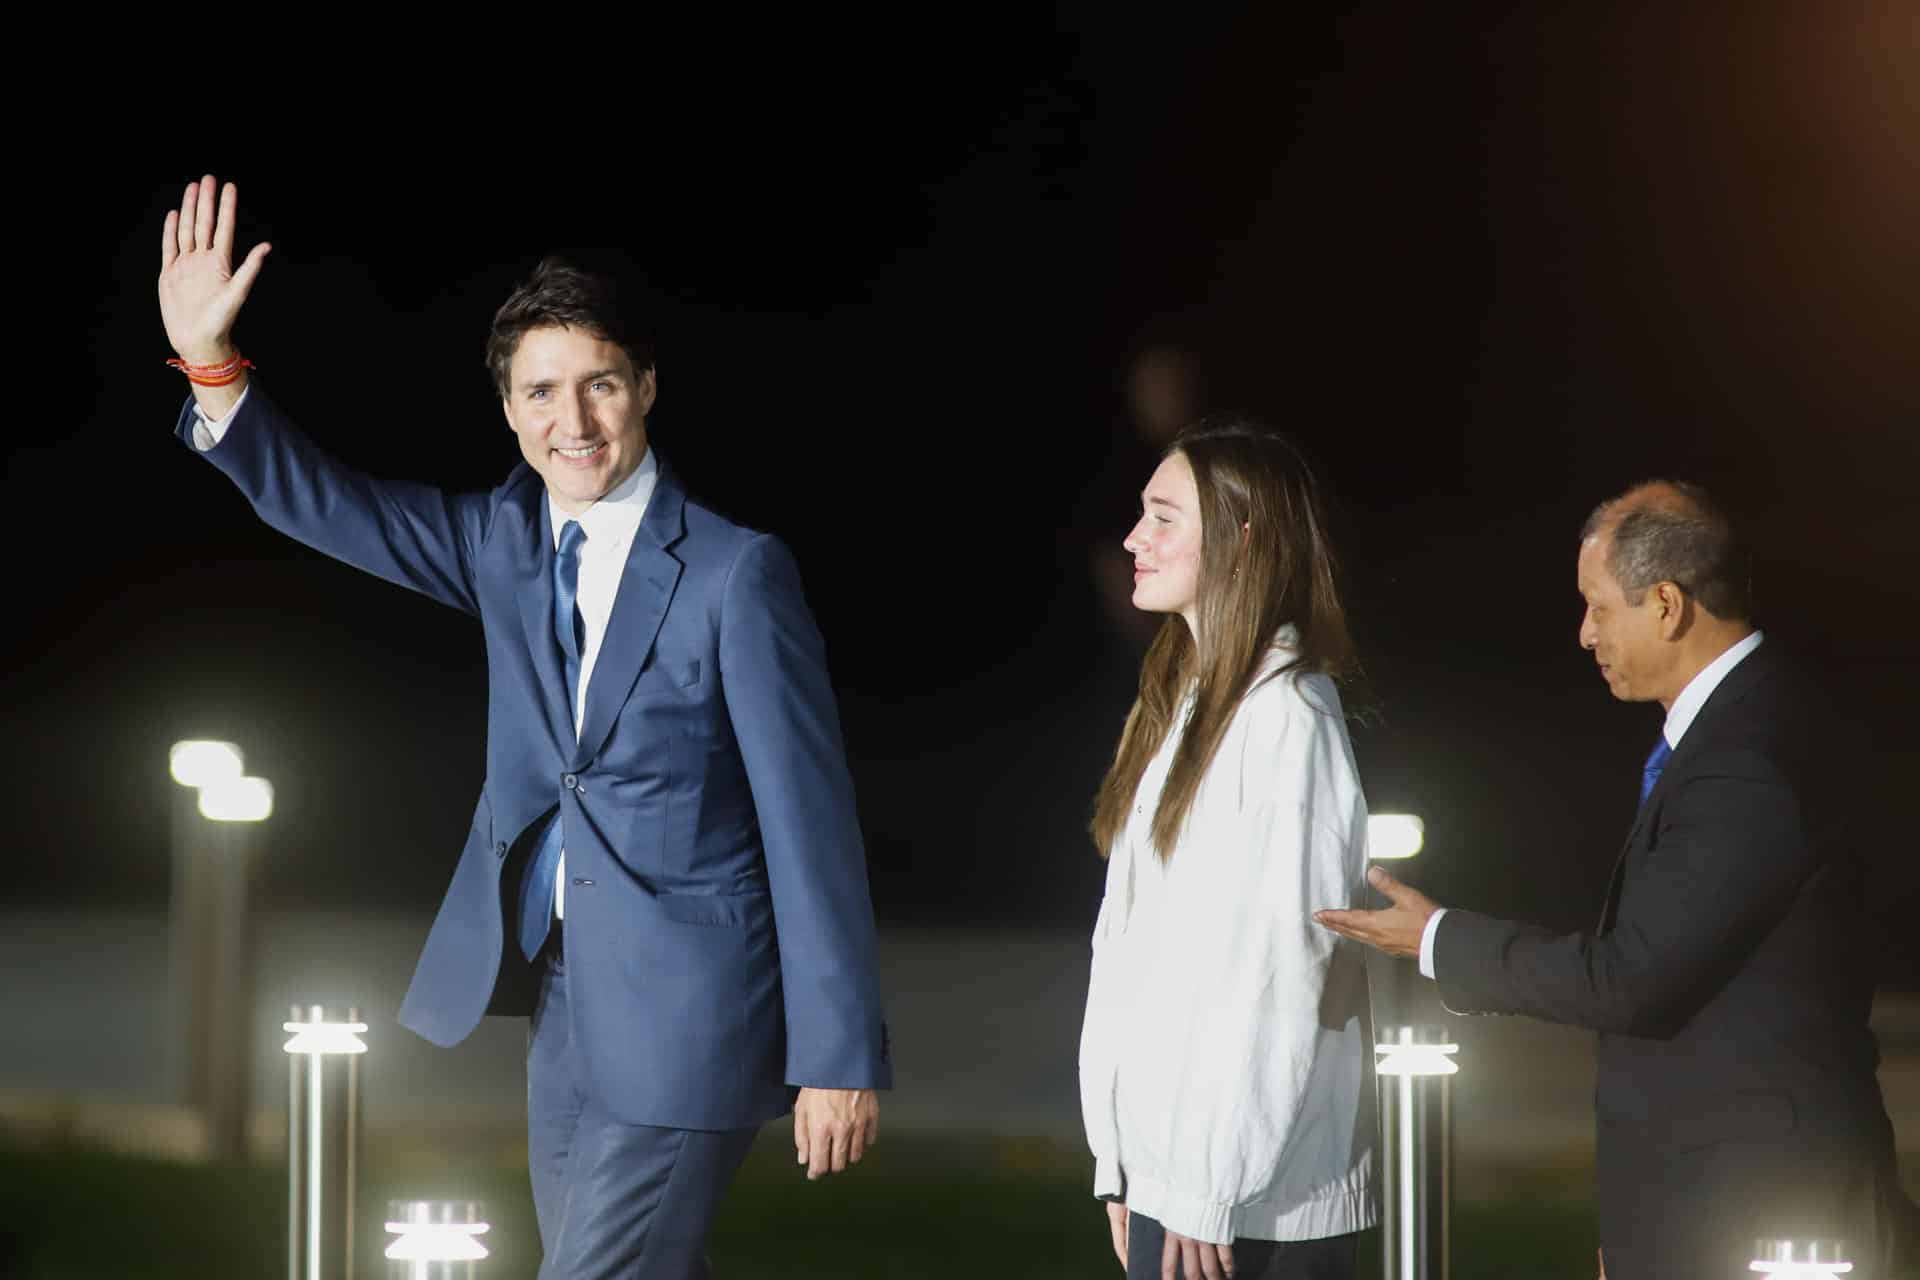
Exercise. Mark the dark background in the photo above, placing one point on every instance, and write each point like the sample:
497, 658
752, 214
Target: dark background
919, 289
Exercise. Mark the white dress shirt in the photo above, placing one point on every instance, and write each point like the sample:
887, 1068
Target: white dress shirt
1225, 1082
1680, 716
610, 525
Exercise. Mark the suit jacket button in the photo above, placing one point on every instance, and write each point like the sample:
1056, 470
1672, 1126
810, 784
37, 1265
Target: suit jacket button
570, 781
500, 850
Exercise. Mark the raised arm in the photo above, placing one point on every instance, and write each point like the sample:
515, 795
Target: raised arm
412, 534
200, 292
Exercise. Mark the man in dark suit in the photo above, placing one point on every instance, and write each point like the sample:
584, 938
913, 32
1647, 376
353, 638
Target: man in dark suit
1736, 1094
664, 868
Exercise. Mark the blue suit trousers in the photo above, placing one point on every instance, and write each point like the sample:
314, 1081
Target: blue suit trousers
613, 1199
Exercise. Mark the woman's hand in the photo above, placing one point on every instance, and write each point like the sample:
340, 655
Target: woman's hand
200, 292
1182, 1258
1117, 1223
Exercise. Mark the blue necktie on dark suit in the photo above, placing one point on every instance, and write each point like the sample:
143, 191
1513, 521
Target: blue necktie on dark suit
1656, 763
536, 889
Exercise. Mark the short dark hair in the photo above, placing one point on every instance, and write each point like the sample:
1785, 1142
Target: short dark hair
559, 293
1674, 531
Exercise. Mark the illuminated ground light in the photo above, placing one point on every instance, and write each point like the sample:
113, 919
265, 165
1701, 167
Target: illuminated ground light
430, 1231
1407, 1054
1800, 1259
321, 1036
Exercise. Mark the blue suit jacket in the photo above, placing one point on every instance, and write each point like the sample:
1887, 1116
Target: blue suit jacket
719, 939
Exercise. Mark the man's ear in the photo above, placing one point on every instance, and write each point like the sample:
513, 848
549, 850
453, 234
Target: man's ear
1674, 607
648, 388
506, 411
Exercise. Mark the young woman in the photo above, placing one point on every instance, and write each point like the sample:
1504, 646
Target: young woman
1226, 1076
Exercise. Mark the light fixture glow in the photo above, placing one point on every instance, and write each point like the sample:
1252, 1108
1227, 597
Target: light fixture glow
326, 1037
1416, 1060
1800, 1259
1394, 835
198, 763
1415, 1051
437, 1241
237, 800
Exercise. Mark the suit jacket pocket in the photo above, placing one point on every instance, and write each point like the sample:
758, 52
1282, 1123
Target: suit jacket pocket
1710, 1121
726, 910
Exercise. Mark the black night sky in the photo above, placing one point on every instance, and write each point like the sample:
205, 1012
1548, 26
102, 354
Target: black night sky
920, 293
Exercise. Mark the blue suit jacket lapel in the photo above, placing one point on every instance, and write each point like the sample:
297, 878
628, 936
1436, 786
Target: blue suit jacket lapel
646, 588
533, 587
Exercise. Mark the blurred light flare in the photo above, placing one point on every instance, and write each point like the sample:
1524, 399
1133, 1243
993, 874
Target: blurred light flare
436, 1231
437, 1241
1791, 1259
237, 800
325, 1037
199, 762
1416, 1051
1394, 835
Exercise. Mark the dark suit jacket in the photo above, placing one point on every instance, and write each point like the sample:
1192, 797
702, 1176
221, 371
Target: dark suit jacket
719, 937
1736, 1094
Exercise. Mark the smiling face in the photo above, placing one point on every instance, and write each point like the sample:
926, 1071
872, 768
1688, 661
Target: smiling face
1628, 640
580, 411
1166, 542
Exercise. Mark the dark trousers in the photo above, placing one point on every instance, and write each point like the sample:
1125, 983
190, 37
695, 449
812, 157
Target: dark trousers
1329, 1258
613, 1199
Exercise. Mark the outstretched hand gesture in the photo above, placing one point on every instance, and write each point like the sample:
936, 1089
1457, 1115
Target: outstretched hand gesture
1396, 929
200, 292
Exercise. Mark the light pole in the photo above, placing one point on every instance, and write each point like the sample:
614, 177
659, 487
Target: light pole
209, 934
437, 1239
1415, 1071
235, 807
323, 1140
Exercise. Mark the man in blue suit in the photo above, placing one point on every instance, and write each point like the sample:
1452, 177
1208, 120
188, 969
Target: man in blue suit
664, 869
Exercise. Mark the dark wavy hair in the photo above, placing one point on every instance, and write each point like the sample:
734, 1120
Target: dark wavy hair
561, 294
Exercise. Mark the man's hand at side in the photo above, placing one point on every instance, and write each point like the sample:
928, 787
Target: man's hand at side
1396, 929
200, 292
832, 1128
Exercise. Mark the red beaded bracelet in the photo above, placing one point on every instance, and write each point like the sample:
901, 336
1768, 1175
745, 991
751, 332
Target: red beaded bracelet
213, 375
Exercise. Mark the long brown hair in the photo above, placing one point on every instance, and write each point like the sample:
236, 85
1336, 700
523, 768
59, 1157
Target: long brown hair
1282, 570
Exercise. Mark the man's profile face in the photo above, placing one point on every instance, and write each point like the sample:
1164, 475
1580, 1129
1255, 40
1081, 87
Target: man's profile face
580, 410
1625, 638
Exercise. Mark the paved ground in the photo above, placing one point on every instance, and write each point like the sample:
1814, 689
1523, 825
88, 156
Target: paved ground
985, 1028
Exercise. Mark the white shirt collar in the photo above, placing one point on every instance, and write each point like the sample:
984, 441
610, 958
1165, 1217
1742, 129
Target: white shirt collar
618, 513
1687, 706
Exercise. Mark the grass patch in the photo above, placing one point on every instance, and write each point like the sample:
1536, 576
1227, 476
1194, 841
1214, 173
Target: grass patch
915, 1210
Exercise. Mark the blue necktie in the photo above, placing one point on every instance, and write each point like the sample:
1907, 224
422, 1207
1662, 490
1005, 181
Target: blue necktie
536, 889
1656, 761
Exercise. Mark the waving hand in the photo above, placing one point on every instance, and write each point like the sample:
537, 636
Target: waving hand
200, 292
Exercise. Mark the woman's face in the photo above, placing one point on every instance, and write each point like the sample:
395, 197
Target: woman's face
1166, 542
